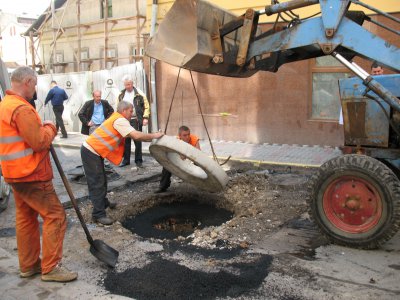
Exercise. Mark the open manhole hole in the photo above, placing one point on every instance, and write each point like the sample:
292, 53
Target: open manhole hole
78, 176
170, 220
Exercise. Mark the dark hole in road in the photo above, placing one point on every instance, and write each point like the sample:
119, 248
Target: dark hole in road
179, 224
170, 220
163, 279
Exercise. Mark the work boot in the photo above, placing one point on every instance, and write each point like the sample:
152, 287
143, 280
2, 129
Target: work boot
104, 220
60, 274
36, 269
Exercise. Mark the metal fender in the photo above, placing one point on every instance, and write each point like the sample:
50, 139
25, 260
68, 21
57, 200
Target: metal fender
197, 169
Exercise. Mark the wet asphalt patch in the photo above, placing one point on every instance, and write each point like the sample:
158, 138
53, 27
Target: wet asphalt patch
164, 279
307, 228
170, 220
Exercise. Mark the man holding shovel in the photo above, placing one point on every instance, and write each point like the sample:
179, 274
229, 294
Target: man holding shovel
107, 141
25, 162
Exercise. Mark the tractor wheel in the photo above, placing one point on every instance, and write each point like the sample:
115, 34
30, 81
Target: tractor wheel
355, 201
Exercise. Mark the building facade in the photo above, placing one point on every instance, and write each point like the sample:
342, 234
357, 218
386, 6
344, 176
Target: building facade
14, 48
89, 35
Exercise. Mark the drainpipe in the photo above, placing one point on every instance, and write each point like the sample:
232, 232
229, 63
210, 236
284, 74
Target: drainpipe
154, 115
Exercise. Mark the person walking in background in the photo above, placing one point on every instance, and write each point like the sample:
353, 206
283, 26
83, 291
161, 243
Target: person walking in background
57, 96
107, 141
140, 117
94, 112
184, 135
25, 163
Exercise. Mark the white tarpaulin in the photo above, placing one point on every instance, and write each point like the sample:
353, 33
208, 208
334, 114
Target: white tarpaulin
79, 87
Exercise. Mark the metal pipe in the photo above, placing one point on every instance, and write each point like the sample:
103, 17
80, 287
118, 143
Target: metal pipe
78, 15
350, 66
53, 56
383, 26
376, 10
360, 69
285, 6
153, 104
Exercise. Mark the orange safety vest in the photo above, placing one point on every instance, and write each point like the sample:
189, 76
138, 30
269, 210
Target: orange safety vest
193, 140
107, 141
17, 158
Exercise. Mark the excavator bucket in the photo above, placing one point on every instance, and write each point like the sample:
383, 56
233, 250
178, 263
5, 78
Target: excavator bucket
190, 37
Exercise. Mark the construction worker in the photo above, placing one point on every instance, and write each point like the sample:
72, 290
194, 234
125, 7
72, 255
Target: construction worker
184, 135
107, 141
25, 163
140, 118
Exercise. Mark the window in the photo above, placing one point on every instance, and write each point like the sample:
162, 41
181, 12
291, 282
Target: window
85, 61
59, 57
325, 73
112, 57
109, 8
134, 53
84, 53
59, 64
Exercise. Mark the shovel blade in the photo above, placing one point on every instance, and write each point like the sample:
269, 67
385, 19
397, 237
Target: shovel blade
104, 253
187, 38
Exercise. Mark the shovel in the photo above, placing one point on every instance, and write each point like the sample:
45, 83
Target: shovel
98, 248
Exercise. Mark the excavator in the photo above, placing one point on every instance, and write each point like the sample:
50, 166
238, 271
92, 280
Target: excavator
355, 198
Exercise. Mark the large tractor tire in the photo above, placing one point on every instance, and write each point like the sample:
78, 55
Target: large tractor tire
355, 201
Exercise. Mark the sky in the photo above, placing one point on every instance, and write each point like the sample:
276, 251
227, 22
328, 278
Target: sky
32, 8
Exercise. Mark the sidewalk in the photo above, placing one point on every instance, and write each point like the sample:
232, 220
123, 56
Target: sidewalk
271, 154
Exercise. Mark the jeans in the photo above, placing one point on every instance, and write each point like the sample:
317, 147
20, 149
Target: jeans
58, 111
93, 165
138, 145
165, 179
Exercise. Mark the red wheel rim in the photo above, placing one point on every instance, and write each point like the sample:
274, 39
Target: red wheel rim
352, 204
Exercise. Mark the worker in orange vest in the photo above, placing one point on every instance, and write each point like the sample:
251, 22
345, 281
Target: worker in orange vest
107, 141
184, 135
25, 162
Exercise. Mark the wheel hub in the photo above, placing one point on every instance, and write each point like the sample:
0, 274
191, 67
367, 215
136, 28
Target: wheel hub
352, 204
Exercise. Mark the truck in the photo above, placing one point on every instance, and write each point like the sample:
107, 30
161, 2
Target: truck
354, 198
